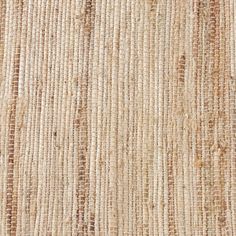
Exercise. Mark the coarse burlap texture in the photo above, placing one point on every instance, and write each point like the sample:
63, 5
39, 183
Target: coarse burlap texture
117, 117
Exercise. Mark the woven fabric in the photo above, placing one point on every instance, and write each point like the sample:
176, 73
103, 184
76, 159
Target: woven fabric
118, 117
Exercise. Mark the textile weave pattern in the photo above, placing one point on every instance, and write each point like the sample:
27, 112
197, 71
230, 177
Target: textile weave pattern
118, 117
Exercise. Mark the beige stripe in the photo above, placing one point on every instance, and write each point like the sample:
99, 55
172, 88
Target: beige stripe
117, 117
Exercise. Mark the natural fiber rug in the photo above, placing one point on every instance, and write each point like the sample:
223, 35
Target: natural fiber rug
118, 117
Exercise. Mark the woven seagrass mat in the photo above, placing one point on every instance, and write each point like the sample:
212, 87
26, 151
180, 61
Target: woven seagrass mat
118, 117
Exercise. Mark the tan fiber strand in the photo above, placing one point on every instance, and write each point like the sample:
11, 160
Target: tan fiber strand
118, 117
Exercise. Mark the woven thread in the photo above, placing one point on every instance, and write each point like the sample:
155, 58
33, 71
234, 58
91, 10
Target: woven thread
117, 117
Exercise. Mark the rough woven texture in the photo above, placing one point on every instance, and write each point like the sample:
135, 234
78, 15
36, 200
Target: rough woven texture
118, 117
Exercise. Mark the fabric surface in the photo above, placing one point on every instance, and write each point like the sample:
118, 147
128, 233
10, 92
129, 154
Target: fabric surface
118, 117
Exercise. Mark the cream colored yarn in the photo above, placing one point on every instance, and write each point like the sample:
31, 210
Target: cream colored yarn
117, 117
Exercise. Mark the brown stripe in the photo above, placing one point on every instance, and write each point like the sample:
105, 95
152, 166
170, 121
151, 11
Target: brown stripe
171, 195
198, 161
219, 200
212, 196
181, 68
11, 201
81, 124
173, 153
11, 206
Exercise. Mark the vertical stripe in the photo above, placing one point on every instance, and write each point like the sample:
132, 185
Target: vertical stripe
81, 124
12, 188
